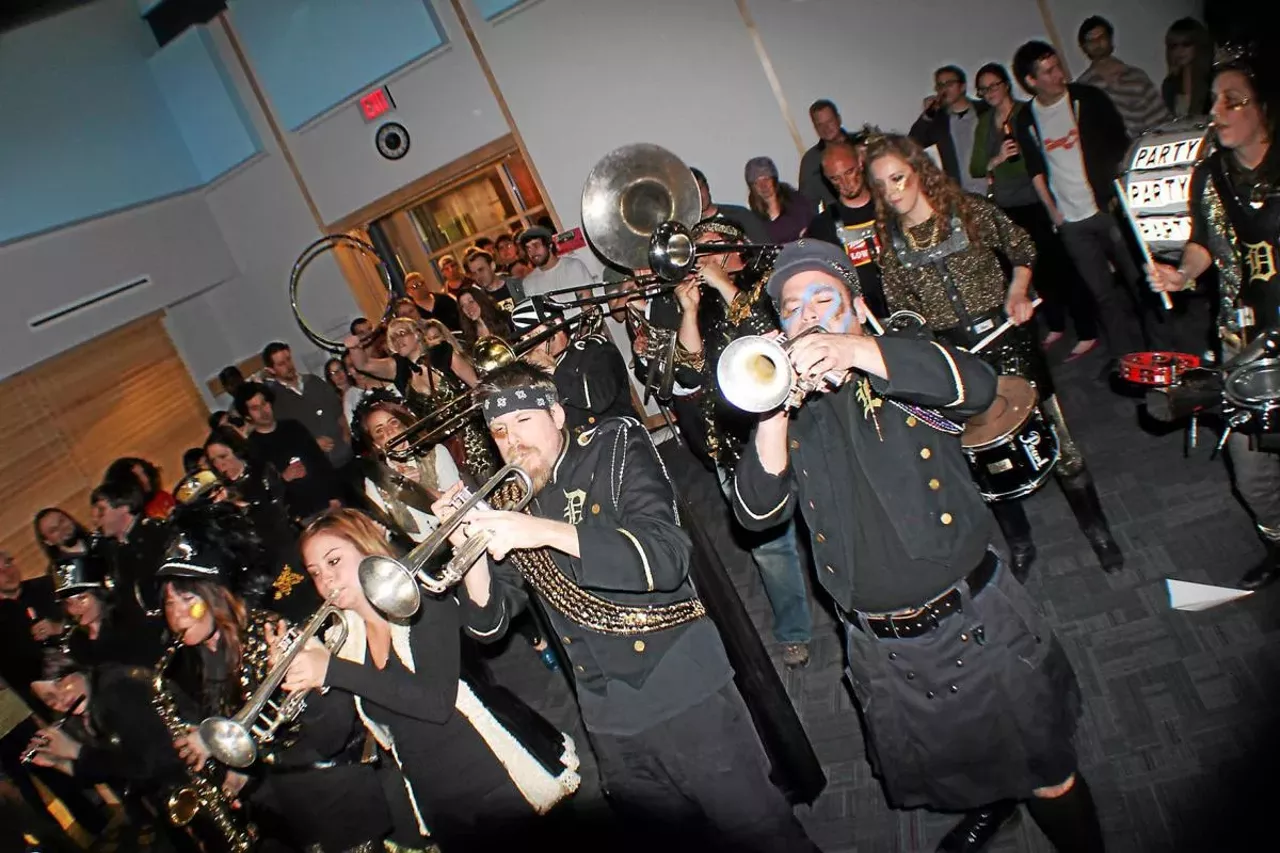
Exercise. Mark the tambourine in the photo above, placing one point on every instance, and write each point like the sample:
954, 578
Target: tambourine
1156, 368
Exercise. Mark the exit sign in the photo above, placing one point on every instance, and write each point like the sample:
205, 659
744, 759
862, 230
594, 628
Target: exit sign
376, 103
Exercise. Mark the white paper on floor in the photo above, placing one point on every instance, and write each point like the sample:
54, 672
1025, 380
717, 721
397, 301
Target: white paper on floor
1184, 595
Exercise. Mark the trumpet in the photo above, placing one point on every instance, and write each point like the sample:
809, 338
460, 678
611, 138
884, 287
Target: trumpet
756, 374
391, 585
234, 741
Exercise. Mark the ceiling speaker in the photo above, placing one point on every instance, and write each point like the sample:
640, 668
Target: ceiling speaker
392, 140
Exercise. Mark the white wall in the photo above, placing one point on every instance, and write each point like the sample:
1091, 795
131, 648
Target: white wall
175, 241
443, 101
262, 216
584, 78
1140, 29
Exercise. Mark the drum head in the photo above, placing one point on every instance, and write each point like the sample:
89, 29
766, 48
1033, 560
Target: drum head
1255, 384
1015, 398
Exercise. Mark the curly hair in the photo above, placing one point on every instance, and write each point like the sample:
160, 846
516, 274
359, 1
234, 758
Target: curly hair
943, 194
376, 401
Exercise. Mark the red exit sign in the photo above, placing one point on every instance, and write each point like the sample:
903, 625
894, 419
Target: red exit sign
376, 103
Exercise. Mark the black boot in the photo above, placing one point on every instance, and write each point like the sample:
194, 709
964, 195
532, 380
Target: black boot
1070, 822
1016, 528
977, 828
1265, 572
1082, 496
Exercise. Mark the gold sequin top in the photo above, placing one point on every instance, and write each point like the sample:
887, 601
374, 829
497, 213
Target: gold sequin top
974, 270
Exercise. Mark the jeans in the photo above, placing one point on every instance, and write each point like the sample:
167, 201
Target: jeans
778, 559
1095, 246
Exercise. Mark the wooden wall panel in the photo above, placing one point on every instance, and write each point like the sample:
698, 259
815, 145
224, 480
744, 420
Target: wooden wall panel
126, 393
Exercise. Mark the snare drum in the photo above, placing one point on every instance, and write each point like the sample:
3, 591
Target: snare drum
1156, 368
1255, 388
1011, 447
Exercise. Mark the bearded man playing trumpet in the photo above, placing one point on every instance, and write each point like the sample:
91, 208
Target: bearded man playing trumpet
672, 735
308, 788
968, 701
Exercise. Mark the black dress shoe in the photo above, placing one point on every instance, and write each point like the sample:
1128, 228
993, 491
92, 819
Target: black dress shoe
1266, 572
977, 828
1106, 549
1021, 556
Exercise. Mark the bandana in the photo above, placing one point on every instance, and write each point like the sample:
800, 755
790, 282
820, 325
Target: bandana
499, 403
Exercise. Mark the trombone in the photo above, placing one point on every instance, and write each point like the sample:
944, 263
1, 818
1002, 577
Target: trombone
391, 585
234, 741
488, 355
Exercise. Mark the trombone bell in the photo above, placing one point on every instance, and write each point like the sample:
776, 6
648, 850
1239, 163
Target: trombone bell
389, 586
230, 742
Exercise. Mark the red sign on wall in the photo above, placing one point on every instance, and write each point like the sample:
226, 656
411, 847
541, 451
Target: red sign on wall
376, 103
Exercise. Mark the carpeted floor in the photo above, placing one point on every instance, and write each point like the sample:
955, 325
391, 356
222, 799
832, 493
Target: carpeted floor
1177, 734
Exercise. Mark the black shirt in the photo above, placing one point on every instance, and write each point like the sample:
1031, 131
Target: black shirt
591, 379
894, 516
21, 657
854, 228
445, 309
289, 440
123, 639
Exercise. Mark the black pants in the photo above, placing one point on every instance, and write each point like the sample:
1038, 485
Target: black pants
1055, 279
701, 776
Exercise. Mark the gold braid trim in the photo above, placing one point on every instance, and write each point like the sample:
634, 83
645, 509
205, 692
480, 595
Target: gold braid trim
203, 794
584, 608
740, 308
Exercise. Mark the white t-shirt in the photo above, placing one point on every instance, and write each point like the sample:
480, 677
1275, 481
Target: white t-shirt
568, 272
1060, 138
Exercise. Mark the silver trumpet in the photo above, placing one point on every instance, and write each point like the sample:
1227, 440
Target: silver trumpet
756, 373
391, 585
234, 741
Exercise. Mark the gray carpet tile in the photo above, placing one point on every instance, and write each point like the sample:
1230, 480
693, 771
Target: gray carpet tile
1178, 707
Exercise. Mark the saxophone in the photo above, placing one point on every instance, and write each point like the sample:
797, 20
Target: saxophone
202, 794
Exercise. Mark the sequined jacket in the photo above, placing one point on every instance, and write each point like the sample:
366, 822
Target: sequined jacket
946, 272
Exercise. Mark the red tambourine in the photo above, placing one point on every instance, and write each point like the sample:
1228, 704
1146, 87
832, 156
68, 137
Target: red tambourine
1156, 368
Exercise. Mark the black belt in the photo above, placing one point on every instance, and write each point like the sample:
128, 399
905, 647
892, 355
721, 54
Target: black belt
981, 326
926, 618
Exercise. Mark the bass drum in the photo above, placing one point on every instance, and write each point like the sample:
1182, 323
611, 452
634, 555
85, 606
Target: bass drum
1157, 182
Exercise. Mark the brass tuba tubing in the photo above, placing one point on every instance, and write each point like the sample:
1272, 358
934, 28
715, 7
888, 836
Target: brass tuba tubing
234, 741
392, 585
327, 243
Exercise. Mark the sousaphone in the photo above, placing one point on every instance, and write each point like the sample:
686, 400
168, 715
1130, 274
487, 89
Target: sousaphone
327, 243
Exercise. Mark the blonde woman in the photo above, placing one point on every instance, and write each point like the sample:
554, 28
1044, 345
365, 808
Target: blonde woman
478, 764
429, 369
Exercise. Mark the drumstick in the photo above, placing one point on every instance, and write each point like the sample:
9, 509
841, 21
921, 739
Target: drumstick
1148, 261
1000, 330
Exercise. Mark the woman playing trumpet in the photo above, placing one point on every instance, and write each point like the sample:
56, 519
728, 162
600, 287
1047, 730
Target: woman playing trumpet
310, 788
430, 376
478, 764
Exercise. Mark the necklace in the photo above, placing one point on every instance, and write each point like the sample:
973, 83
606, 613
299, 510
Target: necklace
929, 240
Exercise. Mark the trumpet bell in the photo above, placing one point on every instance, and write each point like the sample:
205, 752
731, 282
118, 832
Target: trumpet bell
672, 255
389, 586
629, 193
229, 742
755, 374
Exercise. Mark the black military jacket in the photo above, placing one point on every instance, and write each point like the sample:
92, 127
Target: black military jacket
591, 379
610, 484
134, 563
917, 473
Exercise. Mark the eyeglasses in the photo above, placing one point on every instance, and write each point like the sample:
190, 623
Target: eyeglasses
982, 90
942, 84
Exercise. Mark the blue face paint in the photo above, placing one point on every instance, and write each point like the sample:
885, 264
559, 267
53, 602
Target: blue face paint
836, 317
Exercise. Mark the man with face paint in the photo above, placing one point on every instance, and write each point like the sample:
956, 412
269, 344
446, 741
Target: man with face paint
974, 702
675, 743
